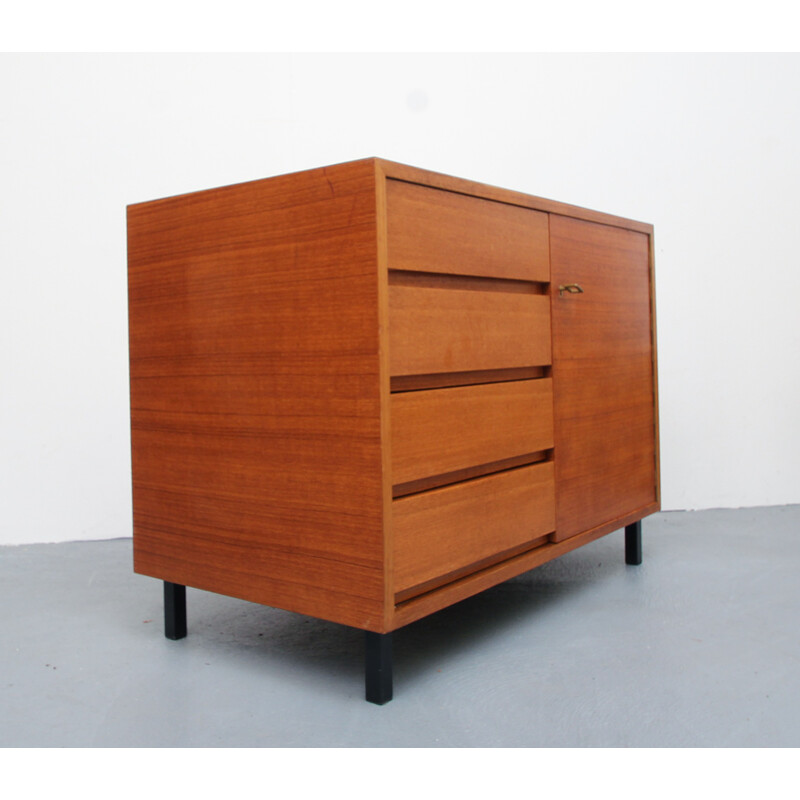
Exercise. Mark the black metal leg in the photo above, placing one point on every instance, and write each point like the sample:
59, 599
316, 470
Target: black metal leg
174, 610
633, 543
379, 667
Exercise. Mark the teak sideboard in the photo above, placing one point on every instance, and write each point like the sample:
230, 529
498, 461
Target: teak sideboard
368, 391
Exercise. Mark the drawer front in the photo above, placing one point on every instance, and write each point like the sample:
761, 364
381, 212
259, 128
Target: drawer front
432, 230
444, 531
433, 330
440, 431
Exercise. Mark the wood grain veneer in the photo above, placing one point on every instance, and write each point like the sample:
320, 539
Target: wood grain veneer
603, 374
467, 473
444, 530
444, 430
356, 392
416, 607
425, 177
455, 330
256, 394
439, 231
440, 380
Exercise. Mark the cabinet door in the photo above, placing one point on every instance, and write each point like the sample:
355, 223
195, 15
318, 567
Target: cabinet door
603, 375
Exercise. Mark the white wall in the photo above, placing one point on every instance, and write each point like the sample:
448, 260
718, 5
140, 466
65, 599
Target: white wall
704, 147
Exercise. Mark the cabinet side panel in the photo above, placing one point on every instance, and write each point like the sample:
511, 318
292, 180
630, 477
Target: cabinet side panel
255, 393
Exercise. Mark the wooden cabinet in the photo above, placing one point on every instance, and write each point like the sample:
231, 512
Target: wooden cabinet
368, 391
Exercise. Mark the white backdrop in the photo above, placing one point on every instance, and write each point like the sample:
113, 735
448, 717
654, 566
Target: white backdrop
703, 146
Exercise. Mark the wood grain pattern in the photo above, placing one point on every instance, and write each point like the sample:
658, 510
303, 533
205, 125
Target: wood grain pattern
255, 393
446, 529
438, 330
270, 324
444, 430
424, 177
653, 338
385, 392
398, 277
467, 473
603, 377
417, 607
475, 568
435, 231
411, 383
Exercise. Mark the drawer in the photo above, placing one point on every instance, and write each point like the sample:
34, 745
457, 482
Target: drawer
434, 330
439, 431
432, 230
445, 531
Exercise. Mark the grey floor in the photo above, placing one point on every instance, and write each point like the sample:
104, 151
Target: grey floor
698, 647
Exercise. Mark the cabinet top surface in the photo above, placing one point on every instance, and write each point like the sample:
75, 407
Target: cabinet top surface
386, 169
